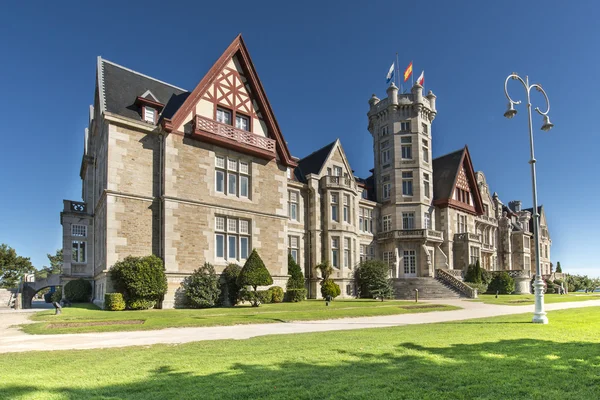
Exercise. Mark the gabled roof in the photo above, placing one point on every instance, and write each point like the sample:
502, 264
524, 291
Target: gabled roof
446, 170
313, 163
540, 211
119, 87
236, 48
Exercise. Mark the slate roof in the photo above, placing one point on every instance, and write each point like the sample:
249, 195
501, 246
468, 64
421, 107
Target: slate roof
312, 163
531, 219
444, 174
121, 87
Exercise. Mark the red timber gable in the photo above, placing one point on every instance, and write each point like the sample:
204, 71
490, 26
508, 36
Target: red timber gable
232, 86
465, 194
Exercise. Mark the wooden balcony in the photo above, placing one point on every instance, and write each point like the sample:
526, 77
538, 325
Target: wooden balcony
224, 135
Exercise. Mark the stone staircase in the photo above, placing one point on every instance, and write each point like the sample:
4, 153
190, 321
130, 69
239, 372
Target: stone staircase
6, 298
429, 288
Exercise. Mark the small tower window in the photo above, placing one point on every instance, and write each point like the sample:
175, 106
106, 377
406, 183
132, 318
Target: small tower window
149, 115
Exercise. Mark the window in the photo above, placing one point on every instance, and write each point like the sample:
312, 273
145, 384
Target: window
337, 171
407, 152
235, 177
527, 262
462, 223
474, 254
425, 128
223, 116
427, 219
335, 245
79, 230
149, 114
242, 122
407, 183
387, 187
408, 220
385, 156
383, 131
293, 247
387, 223
425, 149
546, 250
363, 253
388, 258
526, 242
334, 207
347, 260
79, 252
405, 126
347, 208
365, 220
232, 238
293, 205
364, 194
426, 185
385, 144
410, 262
289, 173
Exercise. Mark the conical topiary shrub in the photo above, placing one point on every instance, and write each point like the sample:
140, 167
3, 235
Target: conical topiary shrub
254, 273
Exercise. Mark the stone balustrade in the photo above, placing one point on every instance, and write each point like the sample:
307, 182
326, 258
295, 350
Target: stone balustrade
412, 234
449, 279
338, 182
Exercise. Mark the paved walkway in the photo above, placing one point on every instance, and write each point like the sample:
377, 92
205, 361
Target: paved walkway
13, 340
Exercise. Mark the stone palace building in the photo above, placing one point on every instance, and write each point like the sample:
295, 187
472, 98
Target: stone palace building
206, 176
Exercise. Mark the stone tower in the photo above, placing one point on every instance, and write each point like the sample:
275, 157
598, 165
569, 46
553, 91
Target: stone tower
401, 129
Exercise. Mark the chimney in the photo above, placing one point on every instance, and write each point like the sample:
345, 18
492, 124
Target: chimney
515, 205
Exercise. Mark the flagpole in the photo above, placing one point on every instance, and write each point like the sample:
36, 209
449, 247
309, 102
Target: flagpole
398, 70
412, 75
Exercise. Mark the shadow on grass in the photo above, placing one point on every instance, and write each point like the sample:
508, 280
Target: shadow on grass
516, 369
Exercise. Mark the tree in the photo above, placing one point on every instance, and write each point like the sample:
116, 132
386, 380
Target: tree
372, 279
254, 274
381, 288
558, 268
230, 290
326, 270
12, 267
474, 273
56, 262
202, 287
296, 280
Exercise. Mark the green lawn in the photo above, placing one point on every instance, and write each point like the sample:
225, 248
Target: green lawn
267, 313
524, 299
497, 358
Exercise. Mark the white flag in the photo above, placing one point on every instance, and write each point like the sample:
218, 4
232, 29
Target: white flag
421, 79
390, 74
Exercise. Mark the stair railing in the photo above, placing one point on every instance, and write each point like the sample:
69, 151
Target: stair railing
456, 283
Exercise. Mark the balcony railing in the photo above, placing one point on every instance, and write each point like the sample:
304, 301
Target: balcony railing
487, 246
473, 237
330, 181
485, 218
237, 138
412, 234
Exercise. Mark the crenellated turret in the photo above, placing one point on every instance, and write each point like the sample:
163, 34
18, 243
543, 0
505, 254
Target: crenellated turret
392, 93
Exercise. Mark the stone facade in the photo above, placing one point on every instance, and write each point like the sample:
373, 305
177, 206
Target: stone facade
210, 177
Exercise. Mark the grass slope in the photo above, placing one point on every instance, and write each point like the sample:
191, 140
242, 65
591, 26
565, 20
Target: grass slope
524, 299
496, 358
267, 313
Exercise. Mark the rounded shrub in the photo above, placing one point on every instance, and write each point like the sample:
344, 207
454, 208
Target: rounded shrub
295, 295
502, 283
256, 297
330, 288
56, 295
481, 287
78, 291
276, 294
230, 290
114, 302
254, 273
141, 280
201, 288
550, 286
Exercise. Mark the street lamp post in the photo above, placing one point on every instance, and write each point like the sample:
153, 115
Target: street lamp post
539, 315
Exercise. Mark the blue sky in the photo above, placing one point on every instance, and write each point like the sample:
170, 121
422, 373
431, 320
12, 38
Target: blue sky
319, 62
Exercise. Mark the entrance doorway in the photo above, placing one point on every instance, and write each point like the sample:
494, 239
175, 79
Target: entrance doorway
410, 263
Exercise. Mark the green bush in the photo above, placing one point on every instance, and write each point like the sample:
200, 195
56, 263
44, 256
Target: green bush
330, 288
140, 304
481, 287
296, 280
474, 273
276, 294
201, 288
230, 291
114, 302
254, 273
56, 295
372, 279
502, 283
141, 280
256, 297
486, 276
78, 291
295, 295
550, 286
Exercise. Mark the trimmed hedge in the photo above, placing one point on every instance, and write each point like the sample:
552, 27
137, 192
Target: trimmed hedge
502, 283
141, 280
254, 274
330, 288
276, 294
78, 291
295, 295
114, 302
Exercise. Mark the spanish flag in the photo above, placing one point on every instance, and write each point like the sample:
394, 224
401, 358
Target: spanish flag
408, 72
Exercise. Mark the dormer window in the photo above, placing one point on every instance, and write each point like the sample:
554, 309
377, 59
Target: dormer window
223, 116
149, 115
